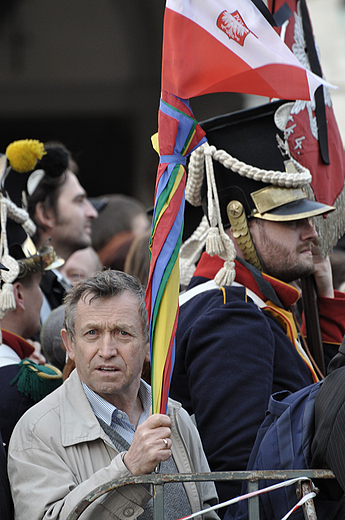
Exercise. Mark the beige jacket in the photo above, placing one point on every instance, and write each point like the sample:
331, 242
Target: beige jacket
59, 453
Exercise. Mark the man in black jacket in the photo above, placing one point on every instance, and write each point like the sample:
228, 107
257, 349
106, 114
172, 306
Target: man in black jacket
327, 449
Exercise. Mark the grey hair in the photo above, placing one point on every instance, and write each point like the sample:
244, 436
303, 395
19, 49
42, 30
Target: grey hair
104, 284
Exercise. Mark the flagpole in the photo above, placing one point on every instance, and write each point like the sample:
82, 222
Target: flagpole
312, 321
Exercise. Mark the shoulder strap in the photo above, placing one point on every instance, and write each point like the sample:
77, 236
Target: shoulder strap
187, 295
276, 404
36, 381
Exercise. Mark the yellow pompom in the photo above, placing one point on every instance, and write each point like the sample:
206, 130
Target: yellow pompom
23, 154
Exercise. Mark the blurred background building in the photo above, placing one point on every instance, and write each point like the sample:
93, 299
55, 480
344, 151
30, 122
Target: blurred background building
87, 73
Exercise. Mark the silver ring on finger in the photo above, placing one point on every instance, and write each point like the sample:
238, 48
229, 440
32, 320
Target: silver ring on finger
166, 444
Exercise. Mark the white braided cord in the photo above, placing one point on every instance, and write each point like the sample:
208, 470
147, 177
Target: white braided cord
191, 250
277, 178
7, 301
218, 242
19, 215
195, 176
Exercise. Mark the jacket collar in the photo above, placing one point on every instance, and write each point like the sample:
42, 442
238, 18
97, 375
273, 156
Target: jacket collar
78, 422
17, 343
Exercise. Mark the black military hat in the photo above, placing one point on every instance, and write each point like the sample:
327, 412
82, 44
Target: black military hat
255, 137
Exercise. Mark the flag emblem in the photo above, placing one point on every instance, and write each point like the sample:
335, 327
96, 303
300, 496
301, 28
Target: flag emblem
233, 26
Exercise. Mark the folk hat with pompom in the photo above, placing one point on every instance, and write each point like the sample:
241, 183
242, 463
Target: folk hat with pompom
17, 250
29, 161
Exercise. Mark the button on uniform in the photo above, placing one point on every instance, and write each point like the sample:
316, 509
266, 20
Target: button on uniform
129, 511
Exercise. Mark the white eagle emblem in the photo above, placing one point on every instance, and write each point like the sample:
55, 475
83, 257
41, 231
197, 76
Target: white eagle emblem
233, 26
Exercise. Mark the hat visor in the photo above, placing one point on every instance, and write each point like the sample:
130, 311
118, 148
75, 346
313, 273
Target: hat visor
296, 210
58, 262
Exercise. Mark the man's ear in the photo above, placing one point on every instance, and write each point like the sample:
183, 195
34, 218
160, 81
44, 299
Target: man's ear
44, 216
147, 355
69, 345
18, 294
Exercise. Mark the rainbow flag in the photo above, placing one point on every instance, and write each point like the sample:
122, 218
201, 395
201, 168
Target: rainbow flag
178, 135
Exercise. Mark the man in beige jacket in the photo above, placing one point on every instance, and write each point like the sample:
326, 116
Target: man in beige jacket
97, 426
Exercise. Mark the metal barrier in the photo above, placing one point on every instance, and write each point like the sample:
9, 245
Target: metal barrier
253, 478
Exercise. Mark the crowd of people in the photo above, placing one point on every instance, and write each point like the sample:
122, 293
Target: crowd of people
75, 405
74, 356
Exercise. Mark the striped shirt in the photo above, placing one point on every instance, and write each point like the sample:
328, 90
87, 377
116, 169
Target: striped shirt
115, 418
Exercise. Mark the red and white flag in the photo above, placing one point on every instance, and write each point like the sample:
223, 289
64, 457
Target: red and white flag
228, 46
